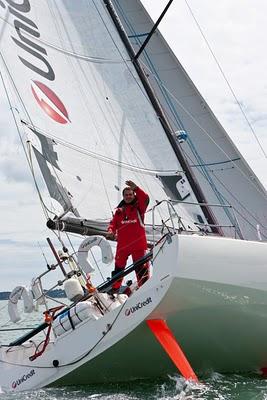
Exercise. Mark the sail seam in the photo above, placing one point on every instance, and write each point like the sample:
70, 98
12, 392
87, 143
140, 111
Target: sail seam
103, 158
97, 60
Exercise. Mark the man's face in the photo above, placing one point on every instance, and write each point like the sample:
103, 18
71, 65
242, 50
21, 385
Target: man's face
128, 196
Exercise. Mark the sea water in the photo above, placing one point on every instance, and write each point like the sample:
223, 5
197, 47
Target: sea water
212, 387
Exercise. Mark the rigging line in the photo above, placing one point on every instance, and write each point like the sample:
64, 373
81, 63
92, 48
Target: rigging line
110, 327
103, 158
221, 195
232, 195
81, 357
105, 188
123, 133
15, 88
148, 60
226, 80
209, 179
139, 162
61, 188
28, 158
249, 222
43, 254
23, 106
59, 184
97, 265
215, 163
71, 245
95, 60
154, 27
242, 206
205, 131
229, 192
223, 199
18, 329
43, 205
58, 235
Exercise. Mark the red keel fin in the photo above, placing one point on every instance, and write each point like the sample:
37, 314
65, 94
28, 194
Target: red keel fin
167, 340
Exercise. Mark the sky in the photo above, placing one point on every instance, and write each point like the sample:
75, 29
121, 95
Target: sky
237, 33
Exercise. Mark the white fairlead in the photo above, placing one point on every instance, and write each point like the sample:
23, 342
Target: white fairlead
86, 245
16, 294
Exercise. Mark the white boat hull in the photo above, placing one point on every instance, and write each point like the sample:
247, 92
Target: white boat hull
211, 291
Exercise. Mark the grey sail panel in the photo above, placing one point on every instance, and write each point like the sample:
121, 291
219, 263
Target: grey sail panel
222, 172
47, 156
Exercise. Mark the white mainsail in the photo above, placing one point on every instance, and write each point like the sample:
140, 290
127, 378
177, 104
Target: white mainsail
78, 92
222, 172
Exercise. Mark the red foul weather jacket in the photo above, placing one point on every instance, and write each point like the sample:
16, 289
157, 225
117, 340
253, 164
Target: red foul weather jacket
128, 224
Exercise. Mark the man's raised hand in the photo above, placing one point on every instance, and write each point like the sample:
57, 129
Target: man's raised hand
131, 184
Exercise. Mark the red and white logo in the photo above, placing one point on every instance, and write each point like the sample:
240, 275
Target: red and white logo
49, 102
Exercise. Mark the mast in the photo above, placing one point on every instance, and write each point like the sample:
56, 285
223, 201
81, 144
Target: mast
163, 120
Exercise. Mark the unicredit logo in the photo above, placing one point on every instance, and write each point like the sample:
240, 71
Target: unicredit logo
24, 378
138, 306
49, 102
34, 56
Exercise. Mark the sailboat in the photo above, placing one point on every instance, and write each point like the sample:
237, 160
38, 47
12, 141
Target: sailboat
93, 113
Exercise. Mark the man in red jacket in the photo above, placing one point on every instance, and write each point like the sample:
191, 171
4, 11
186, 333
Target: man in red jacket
127, 226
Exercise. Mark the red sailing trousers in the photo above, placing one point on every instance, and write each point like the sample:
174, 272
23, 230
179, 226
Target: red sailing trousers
142, 272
